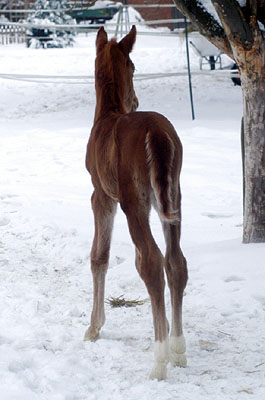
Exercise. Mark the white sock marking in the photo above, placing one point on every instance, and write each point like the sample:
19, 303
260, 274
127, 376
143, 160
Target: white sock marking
159, 370
177, 344
177, 355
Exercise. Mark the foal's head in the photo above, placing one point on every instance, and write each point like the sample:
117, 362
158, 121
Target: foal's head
114, 72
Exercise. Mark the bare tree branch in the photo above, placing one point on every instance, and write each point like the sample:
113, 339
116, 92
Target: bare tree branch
252, 6
254, 12
237, 28
205, 23
261, 11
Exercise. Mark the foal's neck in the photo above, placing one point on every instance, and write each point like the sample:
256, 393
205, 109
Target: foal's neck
109, 100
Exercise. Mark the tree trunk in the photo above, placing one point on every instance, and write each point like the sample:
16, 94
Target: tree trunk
252, 67
240, 36
254, 144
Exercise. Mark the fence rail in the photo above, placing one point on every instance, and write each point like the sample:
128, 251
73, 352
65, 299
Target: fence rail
30, 11
89, 79
15, 31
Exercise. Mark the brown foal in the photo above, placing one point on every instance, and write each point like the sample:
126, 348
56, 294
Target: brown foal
134, 158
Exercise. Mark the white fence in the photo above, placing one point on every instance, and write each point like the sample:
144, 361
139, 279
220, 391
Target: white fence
11, 33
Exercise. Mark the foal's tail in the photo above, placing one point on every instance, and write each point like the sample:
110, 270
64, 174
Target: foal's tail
164, 161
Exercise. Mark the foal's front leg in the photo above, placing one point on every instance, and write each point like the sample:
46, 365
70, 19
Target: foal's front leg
104, 210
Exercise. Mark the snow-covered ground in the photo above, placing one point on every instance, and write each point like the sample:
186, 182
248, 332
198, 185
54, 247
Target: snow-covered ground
46, 228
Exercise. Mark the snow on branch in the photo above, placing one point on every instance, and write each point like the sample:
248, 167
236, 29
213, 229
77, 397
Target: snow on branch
236, 26
203, 19
200, 17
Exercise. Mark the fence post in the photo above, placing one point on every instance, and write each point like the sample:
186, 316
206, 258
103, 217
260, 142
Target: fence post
188, 63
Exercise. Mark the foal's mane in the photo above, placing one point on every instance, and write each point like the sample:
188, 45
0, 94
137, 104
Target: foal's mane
109, 75
108, 57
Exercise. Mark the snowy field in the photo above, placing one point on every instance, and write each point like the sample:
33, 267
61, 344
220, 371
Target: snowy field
46, 228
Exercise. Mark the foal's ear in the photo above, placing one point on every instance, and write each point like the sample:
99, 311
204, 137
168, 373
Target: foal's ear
126, 44
102, 39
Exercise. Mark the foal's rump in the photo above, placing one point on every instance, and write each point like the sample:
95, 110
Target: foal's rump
149, 161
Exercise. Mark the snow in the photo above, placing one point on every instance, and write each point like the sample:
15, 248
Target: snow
203, 45
242, 3
104, 3
46, 228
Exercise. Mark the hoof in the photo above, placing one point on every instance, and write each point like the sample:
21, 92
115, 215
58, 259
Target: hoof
159, 372
92, 334
178, 360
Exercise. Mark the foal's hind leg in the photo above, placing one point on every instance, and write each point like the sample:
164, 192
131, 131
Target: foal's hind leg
176, 269
149, 263
104, 210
